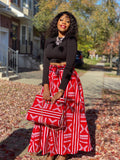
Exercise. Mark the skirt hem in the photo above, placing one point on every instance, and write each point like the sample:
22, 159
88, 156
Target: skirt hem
51, 154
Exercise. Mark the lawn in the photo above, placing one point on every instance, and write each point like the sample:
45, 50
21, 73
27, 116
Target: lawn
88, 64
110, 72
90, 61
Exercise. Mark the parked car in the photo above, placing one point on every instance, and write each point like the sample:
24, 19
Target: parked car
115, 61
79, 59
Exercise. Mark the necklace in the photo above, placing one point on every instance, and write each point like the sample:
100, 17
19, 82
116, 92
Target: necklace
59, 40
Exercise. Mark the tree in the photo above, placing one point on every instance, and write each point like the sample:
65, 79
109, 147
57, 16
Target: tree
112, 47
84, 7
104, 22
96, 22
83, 10
47, 9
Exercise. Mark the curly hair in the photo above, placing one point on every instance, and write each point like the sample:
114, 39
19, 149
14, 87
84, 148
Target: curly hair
73, 28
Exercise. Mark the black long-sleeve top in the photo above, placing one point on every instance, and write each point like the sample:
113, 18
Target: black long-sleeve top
65, 51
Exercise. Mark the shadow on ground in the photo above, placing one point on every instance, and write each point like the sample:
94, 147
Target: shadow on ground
15, 144
108, 69
87, 67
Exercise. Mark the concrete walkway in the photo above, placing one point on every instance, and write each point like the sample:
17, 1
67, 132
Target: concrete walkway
112, 83
30, 77
92, 82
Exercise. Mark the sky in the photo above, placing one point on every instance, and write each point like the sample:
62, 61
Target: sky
118, 1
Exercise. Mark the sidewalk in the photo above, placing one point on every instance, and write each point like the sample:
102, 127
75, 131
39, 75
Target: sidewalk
112, 83
30, 77
92, 82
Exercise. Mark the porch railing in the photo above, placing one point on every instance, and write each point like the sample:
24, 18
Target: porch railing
12, 61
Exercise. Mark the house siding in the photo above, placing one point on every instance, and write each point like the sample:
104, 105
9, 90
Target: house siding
6, 21
13, 20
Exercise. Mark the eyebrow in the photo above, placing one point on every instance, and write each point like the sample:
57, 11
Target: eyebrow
65, 17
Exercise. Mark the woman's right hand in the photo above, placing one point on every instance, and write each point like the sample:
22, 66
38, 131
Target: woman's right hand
46, 92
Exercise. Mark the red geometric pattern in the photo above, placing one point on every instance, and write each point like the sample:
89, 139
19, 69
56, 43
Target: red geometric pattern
52, 115
75, 137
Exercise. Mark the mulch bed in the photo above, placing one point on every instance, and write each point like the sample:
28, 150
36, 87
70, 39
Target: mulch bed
103, 121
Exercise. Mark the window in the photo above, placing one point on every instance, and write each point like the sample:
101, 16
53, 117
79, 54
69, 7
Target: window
14, 31
15, 1
30, 4
24, 34
14, 36
25, 3
30, 35
36, 8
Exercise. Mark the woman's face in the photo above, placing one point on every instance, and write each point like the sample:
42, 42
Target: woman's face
63, 24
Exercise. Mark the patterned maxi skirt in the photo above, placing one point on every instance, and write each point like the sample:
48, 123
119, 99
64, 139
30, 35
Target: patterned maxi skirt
75, 137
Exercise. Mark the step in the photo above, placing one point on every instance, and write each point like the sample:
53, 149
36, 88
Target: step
14, 77
3, 74
10, 78
33, 61
41, 67
2, 68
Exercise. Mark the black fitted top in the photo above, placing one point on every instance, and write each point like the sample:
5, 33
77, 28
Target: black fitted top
65, 51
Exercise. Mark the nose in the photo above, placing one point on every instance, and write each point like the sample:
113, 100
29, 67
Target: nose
64, 21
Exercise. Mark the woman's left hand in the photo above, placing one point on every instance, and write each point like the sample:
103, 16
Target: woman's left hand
56, 96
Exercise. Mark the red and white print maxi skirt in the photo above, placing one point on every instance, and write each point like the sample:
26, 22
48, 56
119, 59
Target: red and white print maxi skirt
75, 137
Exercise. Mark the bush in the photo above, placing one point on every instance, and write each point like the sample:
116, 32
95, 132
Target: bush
85, 54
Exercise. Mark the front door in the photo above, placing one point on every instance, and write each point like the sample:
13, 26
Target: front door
36, 48
14, 37
3, 45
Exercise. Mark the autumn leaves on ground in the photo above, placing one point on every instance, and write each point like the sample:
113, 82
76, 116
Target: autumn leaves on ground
103, 120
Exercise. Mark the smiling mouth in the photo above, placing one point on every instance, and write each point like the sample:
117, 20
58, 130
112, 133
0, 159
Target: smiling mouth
62, 26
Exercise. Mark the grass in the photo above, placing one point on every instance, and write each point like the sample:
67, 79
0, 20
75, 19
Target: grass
107, 64
80, 71
88, 63
113, 74
110, 72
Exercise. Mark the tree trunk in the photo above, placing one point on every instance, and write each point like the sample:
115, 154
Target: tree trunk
111, 60
107, 59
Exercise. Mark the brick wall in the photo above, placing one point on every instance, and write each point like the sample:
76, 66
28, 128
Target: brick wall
6, 22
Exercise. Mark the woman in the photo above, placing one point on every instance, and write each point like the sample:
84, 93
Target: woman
61, 80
